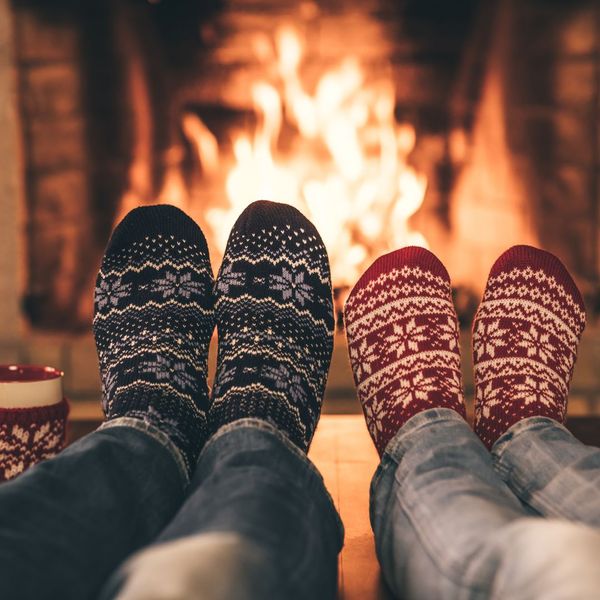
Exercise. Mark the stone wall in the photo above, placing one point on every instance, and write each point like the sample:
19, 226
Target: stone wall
12, 259
102, 87
48, 48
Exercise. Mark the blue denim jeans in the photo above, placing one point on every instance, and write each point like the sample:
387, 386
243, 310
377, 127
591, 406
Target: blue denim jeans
256, 514
66, 523
452, 520
257, 523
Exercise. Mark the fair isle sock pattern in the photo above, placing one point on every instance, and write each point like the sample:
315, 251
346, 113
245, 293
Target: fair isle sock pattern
153, 321
29, 436
274, 312
402, 335
525, 337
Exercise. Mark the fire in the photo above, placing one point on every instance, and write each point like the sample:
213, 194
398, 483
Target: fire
337, 154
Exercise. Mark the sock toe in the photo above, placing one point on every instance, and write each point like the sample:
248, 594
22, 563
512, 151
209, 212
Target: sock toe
267, 214
409, 256
527, 257
152, 221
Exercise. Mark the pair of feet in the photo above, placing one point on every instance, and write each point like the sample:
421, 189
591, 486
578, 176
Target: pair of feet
156, 305
403, 341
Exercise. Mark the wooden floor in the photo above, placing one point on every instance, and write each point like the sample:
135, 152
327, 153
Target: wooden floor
347, 459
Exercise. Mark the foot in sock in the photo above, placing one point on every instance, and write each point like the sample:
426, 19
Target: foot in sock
525, 339
153, 321
274, 313
402, 334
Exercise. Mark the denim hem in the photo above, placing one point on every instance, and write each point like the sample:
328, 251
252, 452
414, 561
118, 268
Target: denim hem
155, 434
474, 585
422, 419
394, 450
523, 426
268, 428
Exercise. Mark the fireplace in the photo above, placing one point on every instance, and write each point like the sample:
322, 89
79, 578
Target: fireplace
465, 127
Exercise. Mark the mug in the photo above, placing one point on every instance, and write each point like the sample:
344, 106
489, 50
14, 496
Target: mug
33, 417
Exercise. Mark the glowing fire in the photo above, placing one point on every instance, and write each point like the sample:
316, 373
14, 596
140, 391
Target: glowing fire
345, 166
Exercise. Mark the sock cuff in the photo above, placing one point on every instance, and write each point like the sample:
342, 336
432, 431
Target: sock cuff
26, 417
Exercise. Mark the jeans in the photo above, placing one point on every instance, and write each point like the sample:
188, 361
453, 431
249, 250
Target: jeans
257, 523
452, 520
256, 516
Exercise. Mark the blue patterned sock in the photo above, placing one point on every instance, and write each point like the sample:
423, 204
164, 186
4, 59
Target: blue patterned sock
152, 323
275, 322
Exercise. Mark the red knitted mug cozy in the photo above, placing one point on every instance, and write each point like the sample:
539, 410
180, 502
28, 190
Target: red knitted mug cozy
30, 435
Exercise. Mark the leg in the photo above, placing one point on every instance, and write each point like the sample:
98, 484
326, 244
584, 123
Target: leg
550, 470
69, 521
66, 524
446, 525
525, 341
258, 523
257, 501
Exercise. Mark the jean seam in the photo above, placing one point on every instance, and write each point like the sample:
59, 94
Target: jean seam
518, 429
457, 574
415, 424
512, 478
396, 448
394, 454
157, 435
271, 430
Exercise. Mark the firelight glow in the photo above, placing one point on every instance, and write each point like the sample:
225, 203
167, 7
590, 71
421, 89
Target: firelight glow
345, 167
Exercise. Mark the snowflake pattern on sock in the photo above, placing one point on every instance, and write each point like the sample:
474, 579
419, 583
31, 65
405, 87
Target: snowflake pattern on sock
153, 321
402, 335
525, 338
274, 315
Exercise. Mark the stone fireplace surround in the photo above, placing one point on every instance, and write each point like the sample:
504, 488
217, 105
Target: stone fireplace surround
35, 72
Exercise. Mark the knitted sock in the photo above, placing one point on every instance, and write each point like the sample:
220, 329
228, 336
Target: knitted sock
402, 334
525, 338
153, 321
275, 322
30, 435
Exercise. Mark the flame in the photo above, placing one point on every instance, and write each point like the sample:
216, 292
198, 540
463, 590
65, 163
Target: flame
347, 169
337, 154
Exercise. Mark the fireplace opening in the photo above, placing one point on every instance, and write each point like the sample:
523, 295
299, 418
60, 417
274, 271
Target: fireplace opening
465, 127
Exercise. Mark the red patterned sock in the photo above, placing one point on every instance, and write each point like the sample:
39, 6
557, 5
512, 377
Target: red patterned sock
525, 338
30, 435
403, 341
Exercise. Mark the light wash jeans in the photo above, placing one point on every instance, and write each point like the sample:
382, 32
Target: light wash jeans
255, 522
453, 521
